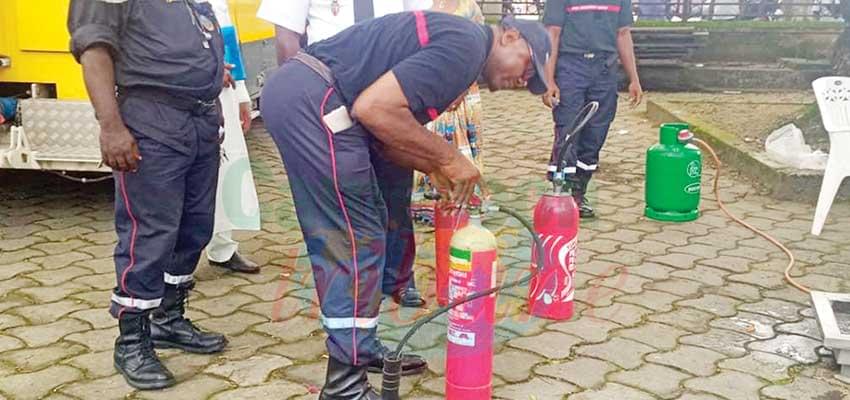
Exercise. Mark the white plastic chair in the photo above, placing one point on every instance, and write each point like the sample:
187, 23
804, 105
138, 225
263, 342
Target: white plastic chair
833, 95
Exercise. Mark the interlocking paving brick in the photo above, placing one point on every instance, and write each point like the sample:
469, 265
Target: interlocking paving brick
61, 260
695, 360
597, 296
651, 299
280, 389
756, 325
221, 306
652, 271
590, 329
552, 345
765, 279
624, 353
49, 294
95, 365
14, 269
515, 366
199, 387
676, 286
783, 310
806, 388
717, 305
729, 263
42, 335
251, 371
10, 321
808, 327
661, 381
10, 343
739, 291
659, 336
680, 261
728, 384
689, 319
612, 391
537, 388
112, 387
233, 324
769, 367
56, 277
29, 360
35, 385
729, 343
45, 313
583, 372
307, 349
623, 314
20, 243
707, 276
797, 348
290, 330
623, 281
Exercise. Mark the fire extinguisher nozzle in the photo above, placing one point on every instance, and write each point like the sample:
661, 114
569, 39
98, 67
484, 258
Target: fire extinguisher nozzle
392, 376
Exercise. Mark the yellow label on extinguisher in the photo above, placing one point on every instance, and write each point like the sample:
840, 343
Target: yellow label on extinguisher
460, 260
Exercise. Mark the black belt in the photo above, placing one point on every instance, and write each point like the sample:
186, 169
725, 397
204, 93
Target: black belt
182, 103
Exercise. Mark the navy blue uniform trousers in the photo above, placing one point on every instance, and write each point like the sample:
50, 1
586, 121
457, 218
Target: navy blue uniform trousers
336, 180
582, 80
164, 211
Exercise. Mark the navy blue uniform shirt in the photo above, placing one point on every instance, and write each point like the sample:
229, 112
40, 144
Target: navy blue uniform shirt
154, 43
588, 26
431, 77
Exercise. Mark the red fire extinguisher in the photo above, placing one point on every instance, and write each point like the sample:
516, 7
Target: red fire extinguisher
469, 352
445, 225
551, 291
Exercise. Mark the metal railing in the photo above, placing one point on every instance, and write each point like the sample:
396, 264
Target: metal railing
681, 10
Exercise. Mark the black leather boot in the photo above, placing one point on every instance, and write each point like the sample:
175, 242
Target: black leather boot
135, 358
171, 330
411, 364
347, 382
578, 186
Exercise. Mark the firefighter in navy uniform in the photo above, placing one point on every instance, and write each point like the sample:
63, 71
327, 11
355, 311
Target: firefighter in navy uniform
587, 38
160, 135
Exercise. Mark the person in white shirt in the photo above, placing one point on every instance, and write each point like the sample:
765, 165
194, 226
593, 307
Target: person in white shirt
237, 206
319, 20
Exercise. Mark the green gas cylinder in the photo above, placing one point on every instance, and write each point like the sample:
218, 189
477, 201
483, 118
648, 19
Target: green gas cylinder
673, 171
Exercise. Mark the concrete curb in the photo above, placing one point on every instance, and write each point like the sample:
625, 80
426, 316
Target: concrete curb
784, 183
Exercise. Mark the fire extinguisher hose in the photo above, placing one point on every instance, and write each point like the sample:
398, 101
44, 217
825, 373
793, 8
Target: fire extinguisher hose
771, 239
392, 360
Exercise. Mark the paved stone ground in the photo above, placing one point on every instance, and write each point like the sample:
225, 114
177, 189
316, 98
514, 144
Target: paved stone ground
688, 311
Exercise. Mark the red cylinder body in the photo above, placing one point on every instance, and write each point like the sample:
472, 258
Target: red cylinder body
445, 225
469, 350
551, 291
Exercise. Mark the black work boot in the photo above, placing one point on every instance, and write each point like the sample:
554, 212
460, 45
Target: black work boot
411, 364
578, 187
347, 382
135, 358
171, 330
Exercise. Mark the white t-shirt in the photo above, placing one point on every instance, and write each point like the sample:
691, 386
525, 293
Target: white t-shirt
295, 14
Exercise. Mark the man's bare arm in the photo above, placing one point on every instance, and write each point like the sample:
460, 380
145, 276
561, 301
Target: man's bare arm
383, 109
118, 147
287, 43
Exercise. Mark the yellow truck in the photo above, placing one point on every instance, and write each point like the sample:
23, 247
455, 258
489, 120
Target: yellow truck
54, 126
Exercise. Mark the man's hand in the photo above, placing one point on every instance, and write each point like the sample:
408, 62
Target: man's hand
245, 116
461, 176
635, 94
118, 147
552, 97
228, 77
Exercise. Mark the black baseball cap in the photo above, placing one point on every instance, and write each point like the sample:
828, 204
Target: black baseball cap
540, 46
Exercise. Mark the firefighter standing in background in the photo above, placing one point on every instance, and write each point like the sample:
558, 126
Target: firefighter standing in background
160, 135
587, 38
